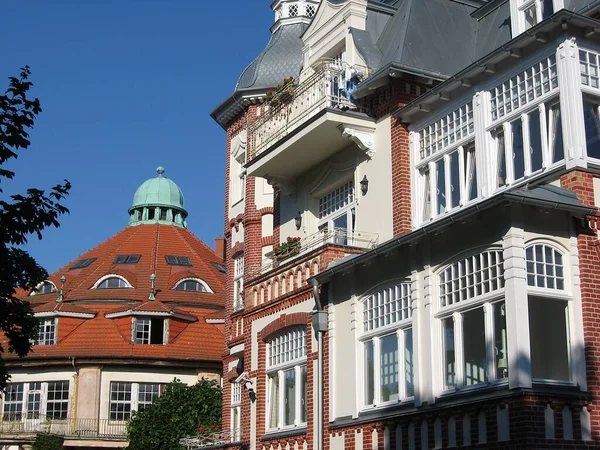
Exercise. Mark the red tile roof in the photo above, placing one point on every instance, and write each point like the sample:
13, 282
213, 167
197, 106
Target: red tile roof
103, 337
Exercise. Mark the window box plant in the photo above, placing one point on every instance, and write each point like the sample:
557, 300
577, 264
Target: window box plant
289, 248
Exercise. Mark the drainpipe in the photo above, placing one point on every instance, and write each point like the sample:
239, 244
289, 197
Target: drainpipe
319, 322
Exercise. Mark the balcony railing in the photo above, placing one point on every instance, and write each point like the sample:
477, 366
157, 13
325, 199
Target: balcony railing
329, 87
335, 236
70, 428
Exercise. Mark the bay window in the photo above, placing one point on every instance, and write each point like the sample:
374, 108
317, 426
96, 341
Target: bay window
548, 303
474, 348
387, 345
286, 379
337, 214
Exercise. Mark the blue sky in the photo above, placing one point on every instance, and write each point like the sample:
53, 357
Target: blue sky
125, 86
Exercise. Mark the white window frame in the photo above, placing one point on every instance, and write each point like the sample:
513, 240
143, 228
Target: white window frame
518, 8
328, 215
594, 102
142, 341
238, 282
374, 329
41, 287
236, 412
134, 402
550, 294
282, 356
454, 311
47, 332
109, 276
201, 282
40, 389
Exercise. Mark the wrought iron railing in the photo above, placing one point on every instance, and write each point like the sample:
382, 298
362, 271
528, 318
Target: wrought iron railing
335, 236
74, 428
329, 87
208, 440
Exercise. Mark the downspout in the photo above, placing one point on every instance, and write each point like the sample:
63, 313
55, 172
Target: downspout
319, 321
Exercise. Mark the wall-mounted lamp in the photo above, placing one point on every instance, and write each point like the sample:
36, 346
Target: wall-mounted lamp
364, 185
298, 220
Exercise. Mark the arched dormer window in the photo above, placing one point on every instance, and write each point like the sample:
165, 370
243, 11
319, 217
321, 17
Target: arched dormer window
112, 282
45, 287
192, 284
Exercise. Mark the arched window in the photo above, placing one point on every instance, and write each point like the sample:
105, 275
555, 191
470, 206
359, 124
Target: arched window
545, 267
286, 368
112, 282
45, 287
387, 345
192, 284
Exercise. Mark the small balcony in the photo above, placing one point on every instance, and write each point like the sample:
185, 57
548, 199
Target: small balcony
308, 123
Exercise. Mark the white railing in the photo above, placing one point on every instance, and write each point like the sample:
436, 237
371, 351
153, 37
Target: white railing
329, 87
76, 428
335, 236
207, 440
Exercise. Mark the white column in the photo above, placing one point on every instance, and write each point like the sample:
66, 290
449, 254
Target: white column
517, 312
571, 103
483, 144
425, 351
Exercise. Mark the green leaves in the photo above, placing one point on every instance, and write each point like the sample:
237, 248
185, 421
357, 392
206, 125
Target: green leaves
21, 215
178, 413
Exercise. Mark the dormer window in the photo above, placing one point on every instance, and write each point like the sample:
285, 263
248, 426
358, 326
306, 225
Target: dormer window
112, 282
150, 330
45, 287
192, 284
46, 332
528, 13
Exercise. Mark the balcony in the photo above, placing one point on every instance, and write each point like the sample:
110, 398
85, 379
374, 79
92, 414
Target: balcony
311, 124
336, 236
82, 429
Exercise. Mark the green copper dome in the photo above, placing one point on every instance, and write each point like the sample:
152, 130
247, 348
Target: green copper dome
158, 200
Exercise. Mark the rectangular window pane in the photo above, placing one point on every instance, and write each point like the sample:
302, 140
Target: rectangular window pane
289, 413
426, 179
535, 140
454, 180
441, 186
303, 389
408, 363
449, 357
120, 401
592, 129
548, 334
518, 153
389, 368
470, 173
57, 405
555, 136
369, 373
273, 400
13, 401
501, 157
147, 394
474, 346
500, 342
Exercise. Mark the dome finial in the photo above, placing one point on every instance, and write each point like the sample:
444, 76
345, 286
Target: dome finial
160, 170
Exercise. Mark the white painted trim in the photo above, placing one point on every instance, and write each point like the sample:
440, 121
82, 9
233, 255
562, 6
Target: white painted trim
112, 275
199, 280
64, 314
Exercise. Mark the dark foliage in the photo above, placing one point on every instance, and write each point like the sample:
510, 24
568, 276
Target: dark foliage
21, 215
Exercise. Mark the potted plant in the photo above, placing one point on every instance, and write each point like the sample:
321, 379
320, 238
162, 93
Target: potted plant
288, 248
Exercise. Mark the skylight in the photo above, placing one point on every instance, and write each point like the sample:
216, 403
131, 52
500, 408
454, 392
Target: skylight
127, 259
82, 263
178, 260
220, 267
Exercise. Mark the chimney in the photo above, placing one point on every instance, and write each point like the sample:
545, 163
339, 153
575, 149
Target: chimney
220, 247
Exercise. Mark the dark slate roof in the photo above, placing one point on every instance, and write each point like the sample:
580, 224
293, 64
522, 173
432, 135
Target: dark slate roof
546, 196
281, 58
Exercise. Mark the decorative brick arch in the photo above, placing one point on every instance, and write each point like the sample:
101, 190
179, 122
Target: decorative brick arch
282, 322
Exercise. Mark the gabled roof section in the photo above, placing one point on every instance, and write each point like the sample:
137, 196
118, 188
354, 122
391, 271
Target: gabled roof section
61, 308
151, 308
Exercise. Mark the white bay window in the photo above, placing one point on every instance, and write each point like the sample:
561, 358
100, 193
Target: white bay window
472, 321
387, 344
287, 379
